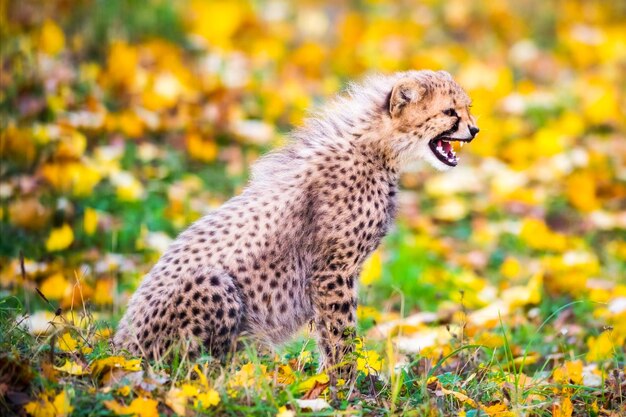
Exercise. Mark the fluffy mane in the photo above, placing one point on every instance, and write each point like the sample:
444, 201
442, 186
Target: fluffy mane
330, 127
352, 110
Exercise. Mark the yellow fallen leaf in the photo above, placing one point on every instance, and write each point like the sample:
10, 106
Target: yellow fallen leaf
204, 150
166, 90
567, 408
216, 21
563, 409
55, 286
369, 361
71, 368
510, 268
60, 238
365, 312
72, 145
176, 399
248, 376
42, 407
537, 235
601, 101
122, 60
67, 343
90, 221
103, 294
459, 396
18, 144
139, 407
201, 377
310, 382
51, 38
570, 373
489, 339
372, 269
285, 375
207, 399
529, 359
519, 296
498, 410
115, 362
601, 347
189, 390
549, 141
203, 396
130, 124
79, 178
105, 333
62, 404
581, 191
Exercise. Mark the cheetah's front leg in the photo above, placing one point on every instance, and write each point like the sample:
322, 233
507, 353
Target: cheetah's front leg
335, 321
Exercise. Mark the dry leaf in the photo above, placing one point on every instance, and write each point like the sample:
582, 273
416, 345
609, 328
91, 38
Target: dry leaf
72, 368
139, 407
316, 390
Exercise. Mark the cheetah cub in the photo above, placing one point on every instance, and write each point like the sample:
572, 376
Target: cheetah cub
289, 249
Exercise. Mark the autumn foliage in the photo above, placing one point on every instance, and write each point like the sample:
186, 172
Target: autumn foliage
501, 292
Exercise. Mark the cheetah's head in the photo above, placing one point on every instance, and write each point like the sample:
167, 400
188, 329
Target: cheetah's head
430, 114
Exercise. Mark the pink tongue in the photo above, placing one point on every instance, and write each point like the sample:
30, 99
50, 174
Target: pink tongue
447, 146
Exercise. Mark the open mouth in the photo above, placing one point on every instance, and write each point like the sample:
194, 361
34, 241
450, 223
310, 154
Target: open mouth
445, 149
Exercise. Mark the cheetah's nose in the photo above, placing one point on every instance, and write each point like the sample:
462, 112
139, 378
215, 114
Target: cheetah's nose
473, 131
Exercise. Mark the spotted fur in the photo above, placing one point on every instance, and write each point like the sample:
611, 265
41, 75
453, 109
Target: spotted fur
288, 251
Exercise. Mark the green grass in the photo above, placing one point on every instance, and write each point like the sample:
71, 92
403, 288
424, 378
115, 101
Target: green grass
449, 268
485, 375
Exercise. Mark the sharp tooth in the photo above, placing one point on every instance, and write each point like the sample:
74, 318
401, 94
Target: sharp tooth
462, 143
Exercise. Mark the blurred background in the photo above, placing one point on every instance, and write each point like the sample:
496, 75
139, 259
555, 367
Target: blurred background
124, 121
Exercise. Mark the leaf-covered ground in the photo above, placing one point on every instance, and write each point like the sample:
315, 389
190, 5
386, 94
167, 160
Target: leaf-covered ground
501, 292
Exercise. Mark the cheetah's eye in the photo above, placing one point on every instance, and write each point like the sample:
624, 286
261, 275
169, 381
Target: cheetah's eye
450, 112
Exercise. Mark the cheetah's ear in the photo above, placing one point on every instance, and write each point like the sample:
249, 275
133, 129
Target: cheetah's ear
406, 90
